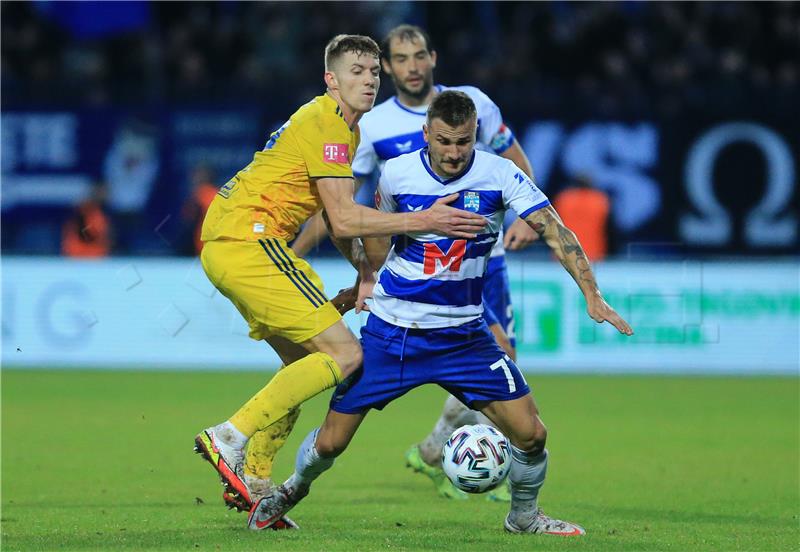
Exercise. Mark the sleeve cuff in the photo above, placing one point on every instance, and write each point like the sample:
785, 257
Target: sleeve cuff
505, 146
536, 207
506, 143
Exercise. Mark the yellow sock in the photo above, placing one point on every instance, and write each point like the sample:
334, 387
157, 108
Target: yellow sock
290, 388
265, 444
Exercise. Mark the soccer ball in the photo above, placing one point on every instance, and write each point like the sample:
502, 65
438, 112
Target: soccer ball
476, 458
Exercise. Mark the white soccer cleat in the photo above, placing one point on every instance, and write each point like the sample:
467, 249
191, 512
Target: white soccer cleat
227, 460
258, 489
272, 508
542, 524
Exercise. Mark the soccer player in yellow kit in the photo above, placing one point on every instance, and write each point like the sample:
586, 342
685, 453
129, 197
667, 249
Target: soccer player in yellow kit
304, 167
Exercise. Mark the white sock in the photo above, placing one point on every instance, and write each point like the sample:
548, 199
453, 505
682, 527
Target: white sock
308, 464
228, 434
454, 415
528, 470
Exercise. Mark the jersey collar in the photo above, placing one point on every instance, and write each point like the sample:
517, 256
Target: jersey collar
423, 156
424, 108
330, 104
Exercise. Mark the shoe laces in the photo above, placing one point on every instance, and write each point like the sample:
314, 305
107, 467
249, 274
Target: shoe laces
292, 495
547, 523
258, 487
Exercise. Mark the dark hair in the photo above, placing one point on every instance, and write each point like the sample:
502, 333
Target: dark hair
453, 107
343, 43
404, 32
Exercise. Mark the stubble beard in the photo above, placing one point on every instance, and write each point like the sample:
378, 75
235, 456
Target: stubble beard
427, 84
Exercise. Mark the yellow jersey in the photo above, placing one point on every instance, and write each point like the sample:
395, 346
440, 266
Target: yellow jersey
276, 193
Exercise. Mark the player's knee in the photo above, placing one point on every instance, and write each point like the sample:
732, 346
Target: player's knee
539, 435
329, 445
534, 439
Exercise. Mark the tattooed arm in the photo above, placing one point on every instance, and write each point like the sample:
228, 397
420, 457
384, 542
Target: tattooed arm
566, 247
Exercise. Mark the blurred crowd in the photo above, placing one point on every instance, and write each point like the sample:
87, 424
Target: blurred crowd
582, 60
95, 228
605, 58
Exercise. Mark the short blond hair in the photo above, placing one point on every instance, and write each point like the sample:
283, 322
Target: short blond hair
343, 43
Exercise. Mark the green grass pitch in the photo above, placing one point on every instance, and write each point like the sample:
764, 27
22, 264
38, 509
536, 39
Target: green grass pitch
103, 461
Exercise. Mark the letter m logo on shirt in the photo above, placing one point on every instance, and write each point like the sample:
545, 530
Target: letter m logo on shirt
452, 258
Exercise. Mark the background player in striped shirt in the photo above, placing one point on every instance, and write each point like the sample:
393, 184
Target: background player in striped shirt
305, 165
425, 324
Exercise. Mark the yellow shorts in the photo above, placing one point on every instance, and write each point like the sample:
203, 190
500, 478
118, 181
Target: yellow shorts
277, 292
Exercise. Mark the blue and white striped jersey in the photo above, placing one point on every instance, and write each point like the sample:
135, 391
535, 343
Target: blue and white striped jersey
429, 281
391, 129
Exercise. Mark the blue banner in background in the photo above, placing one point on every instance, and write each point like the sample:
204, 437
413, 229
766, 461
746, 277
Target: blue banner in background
694, 187
51, 160
222, 140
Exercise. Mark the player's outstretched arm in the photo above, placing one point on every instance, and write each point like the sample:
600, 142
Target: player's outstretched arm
565, 245
314, 231
348, 219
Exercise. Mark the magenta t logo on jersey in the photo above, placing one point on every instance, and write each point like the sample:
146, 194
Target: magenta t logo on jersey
335, 153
